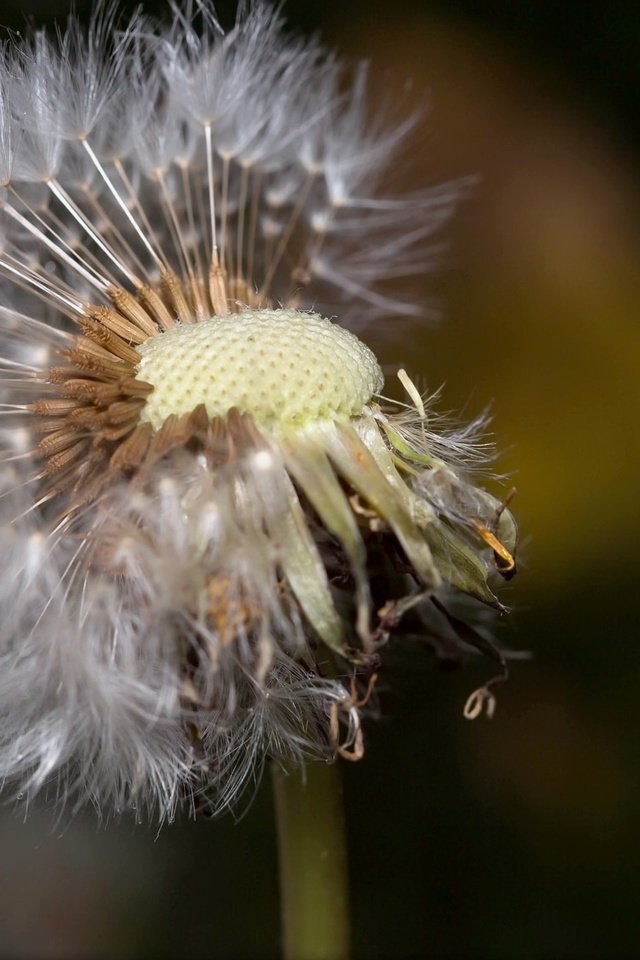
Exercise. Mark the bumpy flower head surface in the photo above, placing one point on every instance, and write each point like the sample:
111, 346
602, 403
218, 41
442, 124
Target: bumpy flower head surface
279, 366
211, 520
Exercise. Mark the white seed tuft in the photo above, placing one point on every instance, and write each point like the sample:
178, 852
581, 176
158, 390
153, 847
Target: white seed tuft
202, 493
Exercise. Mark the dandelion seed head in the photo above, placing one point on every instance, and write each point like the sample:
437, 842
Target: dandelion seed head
212, 522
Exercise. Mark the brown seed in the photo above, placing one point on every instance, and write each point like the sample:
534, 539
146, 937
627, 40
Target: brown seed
173, 291
153, 302
56, 442
61, 460
132, 310
132, 451
115, 321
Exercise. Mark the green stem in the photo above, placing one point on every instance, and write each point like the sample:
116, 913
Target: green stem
312, 856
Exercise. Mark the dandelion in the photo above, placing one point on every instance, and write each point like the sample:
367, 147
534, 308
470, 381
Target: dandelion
211, 518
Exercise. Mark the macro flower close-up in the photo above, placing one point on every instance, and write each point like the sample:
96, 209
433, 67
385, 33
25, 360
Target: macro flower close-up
214, 519
231, 512
318, 493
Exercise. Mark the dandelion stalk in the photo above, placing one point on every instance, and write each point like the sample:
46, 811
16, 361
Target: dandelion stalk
312, 858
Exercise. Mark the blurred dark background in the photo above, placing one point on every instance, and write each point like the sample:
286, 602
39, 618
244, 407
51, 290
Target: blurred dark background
515, 839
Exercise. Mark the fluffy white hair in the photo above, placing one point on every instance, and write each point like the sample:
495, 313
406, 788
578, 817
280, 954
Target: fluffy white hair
163, 631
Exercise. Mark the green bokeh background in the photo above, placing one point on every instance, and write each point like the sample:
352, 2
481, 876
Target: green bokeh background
515, 839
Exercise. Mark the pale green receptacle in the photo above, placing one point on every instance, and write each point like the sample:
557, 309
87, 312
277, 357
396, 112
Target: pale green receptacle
279, 366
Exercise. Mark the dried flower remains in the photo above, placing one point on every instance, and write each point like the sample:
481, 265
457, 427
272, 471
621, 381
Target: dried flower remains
211, 520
